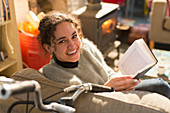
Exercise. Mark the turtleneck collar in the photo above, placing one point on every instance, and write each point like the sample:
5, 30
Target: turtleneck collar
65, 64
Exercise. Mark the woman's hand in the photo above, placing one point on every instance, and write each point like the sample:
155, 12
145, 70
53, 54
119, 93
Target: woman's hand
120, 83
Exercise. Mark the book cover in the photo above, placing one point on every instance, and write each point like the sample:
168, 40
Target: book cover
137, 60
6, 10
1, 13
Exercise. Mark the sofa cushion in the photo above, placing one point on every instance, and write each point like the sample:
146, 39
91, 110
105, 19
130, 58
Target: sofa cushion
108, 102
122, 102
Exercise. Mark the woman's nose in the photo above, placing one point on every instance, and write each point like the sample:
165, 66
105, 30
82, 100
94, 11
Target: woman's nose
71, 44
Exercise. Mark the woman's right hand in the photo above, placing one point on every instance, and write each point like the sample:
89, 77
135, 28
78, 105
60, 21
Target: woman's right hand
121, 83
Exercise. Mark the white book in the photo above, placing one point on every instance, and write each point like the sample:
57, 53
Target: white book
137, 60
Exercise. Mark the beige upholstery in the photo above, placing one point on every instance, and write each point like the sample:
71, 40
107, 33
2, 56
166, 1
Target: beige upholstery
167, 23
160, 24
115, 102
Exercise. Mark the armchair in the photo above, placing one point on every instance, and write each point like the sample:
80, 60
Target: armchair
160, 23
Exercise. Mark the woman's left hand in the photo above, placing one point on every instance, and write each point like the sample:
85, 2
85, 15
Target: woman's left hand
121, 83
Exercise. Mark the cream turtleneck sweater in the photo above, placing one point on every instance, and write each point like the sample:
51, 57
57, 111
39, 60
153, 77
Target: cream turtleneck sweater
91, 68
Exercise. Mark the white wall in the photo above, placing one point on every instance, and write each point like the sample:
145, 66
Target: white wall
21, 9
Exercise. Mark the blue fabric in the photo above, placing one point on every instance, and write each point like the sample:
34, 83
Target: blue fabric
157, 85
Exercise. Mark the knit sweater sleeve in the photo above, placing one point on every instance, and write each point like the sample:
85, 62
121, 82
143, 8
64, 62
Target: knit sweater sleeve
98, 55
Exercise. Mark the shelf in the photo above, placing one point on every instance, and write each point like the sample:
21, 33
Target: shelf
9, 39
5, 22
7, 63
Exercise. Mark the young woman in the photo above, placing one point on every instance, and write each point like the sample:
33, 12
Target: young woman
76, 60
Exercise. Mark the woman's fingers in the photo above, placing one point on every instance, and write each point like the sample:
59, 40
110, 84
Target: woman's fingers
124, 77
127, 82
122, 83
113, 82
125, 87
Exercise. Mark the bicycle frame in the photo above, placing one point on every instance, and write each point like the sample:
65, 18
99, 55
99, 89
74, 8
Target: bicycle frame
9, 87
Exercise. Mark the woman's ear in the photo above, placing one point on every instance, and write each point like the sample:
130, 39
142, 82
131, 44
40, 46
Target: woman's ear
48, 48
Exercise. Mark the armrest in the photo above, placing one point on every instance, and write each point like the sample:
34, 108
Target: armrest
121, 102
167, 23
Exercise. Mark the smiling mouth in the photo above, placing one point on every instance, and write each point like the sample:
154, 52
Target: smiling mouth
71, 53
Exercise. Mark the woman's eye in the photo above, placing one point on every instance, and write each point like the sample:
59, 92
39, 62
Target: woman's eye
74, 36
62, 41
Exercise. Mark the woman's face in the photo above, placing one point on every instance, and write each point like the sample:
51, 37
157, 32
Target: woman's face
68, 43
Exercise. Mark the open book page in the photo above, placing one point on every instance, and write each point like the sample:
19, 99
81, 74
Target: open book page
146, 50
136, 59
